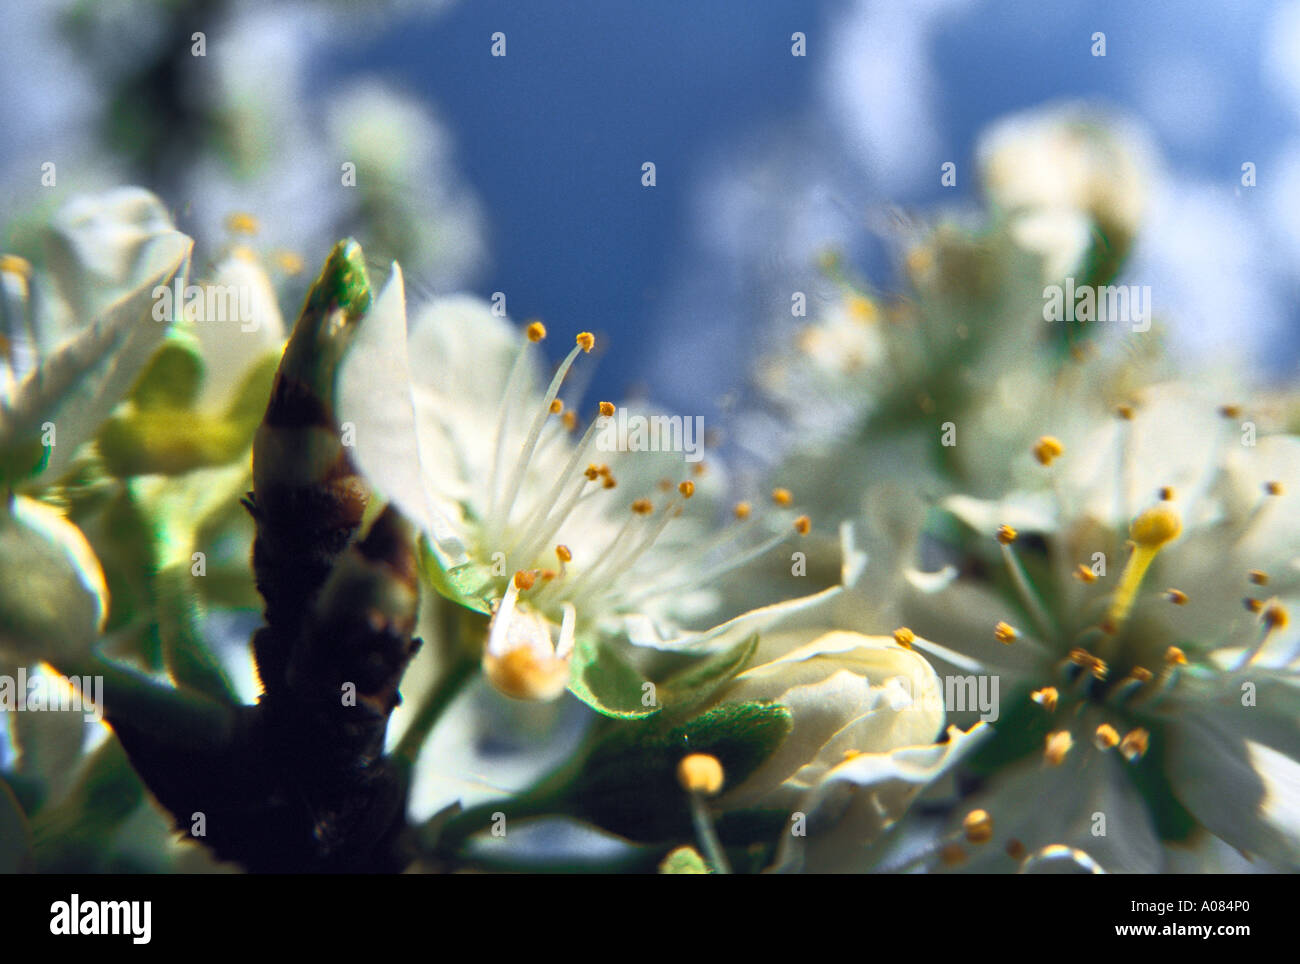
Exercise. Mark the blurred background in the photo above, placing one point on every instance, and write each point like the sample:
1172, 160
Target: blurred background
522, 173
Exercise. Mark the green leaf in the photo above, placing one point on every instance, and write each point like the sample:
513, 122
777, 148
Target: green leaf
628, 783
607, 683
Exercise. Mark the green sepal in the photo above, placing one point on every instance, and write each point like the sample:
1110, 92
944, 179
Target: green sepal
628, 783
606, 682
174, 374
696, 684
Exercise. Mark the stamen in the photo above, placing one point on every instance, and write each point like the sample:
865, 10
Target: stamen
557, 406
1151, 531
643, 507
536, 331
1047, 449
782, 497
1106, 737
499, 518
1005, 633
241, 222
1027, 595
904, 637
1176, 596
1006, 535
1047, 698
1273, 617
701, 776
802, 525
1258, 577
1166, 493
1134, 745
569, 420
978, 826
525, 578
1058, 745
1084, 574
606, 409
687, 489
545, 516
742, 510
563, 554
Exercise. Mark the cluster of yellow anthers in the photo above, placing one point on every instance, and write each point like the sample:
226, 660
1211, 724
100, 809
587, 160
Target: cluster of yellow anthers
527, 528
1088, 673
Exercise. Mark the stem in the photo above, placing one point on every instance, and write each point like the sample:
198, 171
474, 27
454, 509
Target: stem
434, 703
708, 837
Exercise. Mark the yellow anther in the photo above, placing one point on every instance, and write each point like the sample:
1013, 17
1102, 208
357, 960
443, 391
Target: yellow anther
603, 469
290, 262
1100, 668
592, 473
608, 481
1176, 596
1084, 573
952, 855
1141, 674
557, 406
1230, 411
643, 507
1005, 633
782, 496
1175, 657
1134, 745
1015, 850
699, 468
563, 554
1275, 616
802, 525
240, 222
742, 510
1106, 737
1006, 535
700, 773
1258, 576
1047, 698
904, 637
535, 331
1166, 493
687, 489
586, 341
862, 308
1125, 411
1274, 488
14, 264
978, 826
665, 485
1058, 745
525, 578
570, 419
1047, 449
1253, 605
